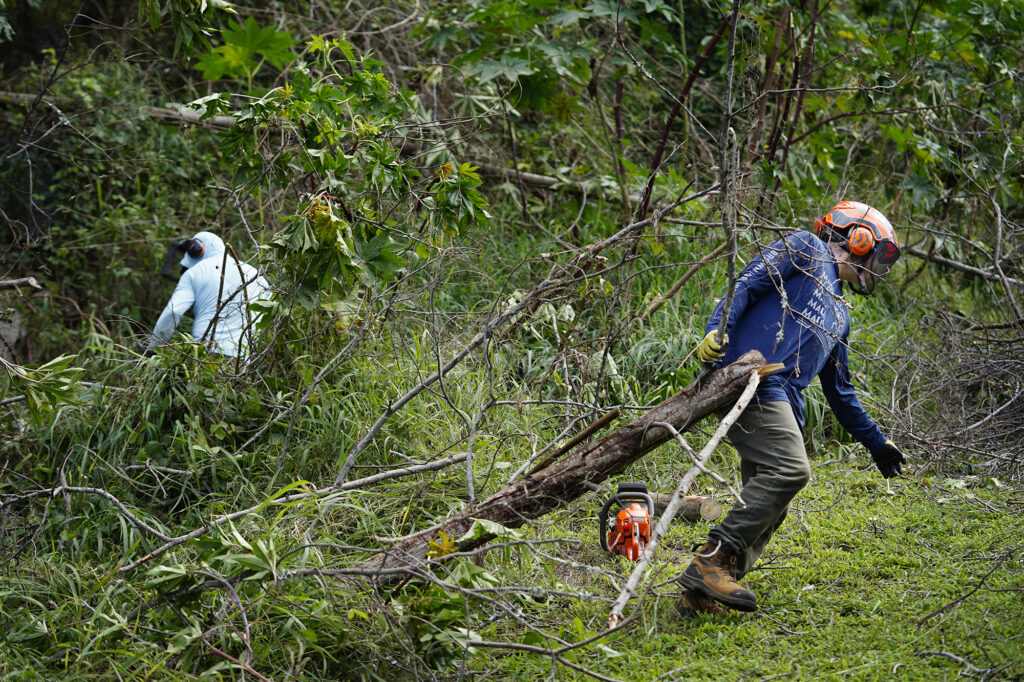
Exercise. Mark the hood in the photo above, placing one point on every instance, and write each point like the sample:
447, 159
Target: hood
214, 249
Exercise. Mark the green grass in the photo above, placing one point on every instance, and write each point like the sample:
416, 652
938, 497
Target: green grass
858, 584
847, 588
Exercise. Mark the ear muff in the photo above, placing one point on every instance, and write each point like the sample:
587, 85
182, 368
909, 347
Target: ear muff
860, 240
194, 248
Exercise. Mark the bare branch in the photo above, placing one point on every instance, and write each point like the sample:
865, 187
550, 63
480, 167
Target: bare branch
22, 282
677, 497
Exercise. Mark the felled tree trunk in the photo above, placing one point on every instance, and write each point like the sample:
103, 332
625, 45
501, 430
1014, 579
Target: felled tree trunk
567, 478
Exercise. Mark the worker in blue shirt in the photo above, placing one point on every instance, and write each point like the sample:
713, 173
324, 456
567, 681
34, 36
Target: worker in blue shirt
218, 289
789, 305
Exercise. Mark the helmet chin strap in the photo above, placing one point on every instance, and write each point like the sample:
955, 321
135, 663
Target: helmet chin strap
866, 280
863, 282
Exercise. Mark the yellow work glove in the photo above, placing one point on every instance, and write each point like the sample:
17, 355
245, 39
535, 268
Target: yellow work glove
708, 350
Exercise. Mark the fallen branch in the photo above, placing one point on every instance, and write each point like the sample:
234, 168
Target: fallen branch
568, 478
56, 491
971, 668
241, 664
962, 267
1002, 560
170, 543
684, 484
22, 282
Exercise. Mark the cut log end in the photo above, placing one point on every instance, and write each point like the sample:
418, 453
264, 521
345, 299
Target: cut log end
766, 370
695, 508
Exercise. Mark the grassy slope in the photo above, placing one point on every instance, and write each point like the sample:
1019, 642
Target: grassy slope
849, 579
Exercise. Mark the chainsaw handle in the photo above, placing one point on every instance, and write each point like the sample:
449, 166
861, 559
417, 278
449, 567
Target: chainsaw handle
602, 522
621, 498
645, 498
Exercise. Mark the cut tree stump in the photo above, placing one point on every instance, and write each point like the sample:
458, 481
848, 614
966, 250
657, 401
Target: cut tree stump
583, 467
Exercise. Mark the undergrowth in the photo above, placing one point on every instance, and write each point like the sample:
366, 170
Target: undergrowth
915, 580
182, 516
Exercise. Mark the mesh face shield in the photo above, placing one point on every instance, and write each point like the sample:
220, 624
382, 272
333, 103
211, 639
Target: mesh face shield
874, 266
169, 271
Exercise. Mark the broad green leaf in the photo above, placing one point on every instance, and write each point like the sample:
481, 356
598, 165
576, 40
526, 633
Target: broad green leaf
509, 68
483, 527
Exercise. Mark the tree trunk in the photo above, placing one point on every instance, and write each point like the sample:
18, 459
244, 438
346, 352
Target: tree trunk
566, 479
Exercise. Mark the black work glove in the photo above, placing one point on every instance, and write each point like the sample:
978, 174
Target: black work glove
888, 459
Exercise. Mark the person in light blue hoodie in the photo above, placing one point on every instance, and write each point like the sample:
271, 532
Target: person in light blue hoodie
218, 289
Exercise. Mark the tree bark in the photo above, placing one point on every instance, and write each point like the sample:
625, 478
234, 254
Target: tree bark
22, 282
566, 479
695, 508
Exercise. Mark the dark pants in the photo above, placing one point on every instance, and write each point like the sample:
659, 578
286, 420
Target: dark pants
774, 467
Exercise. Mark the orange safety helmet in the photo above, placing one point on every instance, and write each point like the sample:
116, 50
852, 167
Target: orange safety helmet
862, 225
865, 233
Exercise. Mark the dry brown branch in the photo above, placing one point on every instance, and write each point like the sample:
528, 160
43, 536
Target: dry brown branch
999, 562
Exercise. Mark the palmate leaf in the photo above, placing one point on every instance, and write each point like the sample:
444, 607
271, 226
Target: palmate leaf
377, 260
214, 65
508, 67
274, 46
242, 44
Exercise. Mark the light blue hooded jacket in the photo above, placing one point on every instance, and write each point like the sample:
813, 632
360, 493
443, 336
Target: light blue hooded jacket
198, 288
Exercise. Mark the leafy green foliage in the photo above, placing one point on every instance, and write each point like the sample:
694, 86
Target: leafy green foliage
245, 49
346, 113
362, 181
190, 19
435, 617
44, 387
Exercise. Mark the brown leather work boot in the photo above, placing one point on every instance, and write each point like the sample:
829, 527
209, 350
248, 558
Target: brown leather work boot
692, 604
713, 574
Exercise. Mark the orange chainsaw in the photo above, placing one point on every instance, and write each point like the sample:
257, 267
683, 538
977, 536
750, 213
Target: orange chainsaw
629, 532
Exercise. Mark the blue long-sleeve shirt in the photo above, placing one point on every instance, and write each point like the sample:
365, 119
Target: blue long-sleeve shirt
789, 305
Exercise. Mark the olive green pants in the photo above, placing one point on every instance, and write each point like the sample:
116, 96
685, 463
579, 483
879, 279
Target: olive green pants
774, 468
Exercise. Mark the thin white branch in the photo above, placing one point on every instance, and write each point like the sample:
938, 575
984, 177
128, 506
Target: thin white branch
171, 542
698, 463
629, 588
